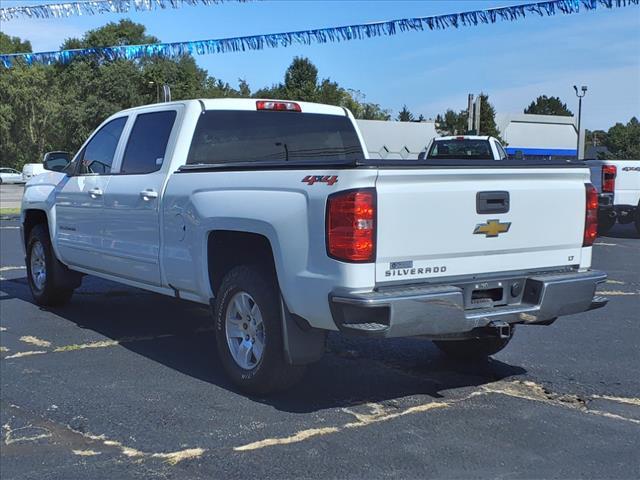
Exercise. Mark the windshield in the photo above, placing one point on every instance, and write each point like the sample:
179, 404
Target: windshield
223, 136
460, 150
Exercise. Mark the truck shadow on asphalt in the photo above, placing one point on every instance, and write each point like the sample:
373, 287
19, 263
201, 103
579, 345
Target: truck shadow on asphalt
620, 231
178, 334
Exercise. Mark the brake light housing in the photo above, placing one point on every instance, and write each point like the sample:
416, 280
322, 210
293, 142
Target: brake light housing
591, 215
351, 220
609, 173
278, 106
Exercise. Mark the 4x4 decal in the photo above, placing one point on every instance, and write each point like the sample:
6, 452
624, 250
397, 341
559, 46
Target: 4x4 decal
328, 179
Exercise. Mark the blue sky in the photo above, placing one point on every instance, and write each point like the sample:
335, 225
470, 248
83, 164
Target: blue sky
428, 71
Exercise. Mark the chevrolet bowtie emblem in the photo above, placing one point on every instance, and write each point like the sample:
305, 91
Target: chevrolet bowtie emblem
492, 228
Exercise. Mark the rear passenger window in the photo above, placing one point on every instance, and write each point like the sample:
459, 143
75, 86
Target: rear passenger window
148, 142
98, 154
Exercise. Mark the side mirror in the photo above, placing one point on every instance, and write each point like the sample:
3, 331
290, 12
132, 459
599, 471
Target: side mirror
56, 161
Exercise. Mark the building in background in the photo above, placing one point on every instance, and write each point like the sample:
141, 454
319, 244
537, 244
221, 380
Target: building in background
539, 136
528, 136
396, 140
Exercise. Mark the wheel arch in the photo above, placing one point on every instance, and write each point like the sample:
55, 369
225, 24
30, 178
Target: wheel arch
229, 248
31, 218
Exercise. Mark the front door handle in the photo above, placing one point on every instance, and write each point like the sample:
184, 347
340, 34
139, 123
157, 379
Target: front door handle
148, 194
95, 193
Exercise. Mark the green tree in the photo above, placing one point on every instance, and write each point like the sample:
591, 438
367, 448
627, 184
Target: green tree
452, 123
405, 115
301, 80
243, 87
594, 138
13, 44
302, 83
488, 118
125, 32
56, 107
623, 141
544, 105
30, 107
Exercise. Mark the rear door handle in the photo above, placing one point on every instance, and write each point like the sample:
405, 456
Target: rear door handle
492, 202
95, 192
148, 194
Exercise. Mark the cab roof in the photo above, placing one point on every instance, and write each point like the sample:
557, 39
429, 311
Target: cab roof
243, 104
463, 137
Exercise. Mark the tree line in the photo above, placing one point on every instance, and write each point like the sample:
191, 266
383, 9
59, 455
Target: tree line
55, 107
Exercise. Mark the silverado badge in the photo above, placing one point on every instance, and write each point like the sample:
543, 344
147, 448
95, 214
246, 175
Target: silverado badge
492, 228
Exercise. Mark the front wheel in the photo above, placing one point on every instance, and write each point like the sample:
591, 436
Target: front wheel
248, 326
637, 222
474, 348
46, 288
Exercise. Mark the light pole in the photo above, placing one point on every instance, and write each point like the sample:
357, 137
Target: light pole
584, 92
157, 90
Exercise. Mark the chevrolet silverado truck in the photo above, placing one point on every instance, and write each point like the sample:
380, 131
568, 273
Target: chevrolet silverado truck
270, 213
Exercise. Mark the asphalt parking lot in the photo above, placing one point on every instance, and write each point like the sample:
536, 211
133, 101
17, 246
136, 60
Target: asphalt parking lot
125, 384
10, 195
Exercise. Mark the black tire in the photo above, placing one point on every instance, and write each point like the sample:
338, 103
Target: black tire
475, 348
637, 222
272, 372
54, 291
605, 223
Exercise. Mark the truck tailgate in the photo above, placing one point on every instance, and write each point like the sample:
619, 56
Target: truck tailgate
427, 219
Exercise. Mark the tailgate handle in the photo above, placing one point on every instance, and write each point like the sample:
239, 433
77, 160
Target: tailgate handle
492, 202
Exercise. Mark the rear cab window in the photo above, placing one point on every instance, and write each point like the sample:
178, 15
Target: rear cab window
231, 136
460, 149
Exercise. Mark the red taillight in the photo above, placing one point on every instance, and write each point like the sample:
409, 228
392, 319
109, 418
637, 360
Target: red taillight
609, 178
351, 225
591, 216
278, 106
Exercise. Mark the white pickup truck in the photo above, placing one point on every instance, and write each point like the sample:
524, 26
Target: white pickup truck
270, 212
468, 147
618, 183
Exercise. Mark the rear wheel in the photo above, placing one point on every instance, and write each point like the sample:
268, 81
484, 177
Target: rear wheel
473, 348
42, 265
638, 219
248, 326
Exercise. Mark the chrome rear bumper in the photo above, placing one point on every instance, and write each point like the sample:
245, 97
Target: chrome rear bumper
443, 311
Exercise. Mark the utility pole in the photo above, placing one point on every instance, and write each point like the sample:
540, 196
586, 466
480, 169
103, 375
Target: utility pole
476, 114
470, 112
584, 92
157, 90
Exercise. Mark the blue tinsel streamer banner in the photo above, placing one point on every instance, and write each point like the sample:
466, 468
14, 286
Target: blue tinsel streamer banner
321, 35
95, 7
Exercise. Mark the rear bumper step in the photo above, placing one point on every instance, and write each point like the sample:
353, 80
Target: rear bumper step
439, 311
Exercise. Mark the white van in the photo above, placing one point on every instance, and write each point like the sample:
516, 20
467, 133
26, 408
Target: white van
31, 170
